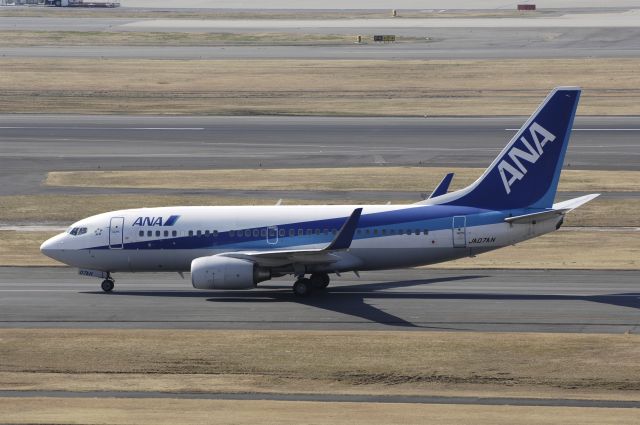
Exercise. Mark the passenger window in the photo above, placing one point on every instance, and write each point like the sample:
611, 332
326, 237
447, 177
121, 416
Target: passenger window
309, 232
358, 232
317, 231
408, 231
232, 233
401, 232
368, 232
149, 233
166, 233
292, 232
300, 232
384, 231
375, 231
190, 232
417, 231
263, 232
392, 231
247, 233
199, 233
281, 232
215, 233
174, 233
334, 231
426, 231
325, 231
206, 233
256, 233
141, 233
158, 233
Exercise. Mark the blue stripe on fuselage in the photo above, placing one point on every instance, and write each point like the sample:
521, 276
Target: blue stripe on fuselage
432, 217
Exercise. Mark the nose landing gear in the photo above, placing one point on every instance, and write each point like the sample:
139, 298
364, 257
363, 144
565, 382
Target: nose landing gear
107, 284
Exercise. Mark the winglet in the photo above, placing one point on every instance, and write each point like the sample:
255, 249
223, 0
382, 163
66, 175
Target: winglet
345, 235
442, 187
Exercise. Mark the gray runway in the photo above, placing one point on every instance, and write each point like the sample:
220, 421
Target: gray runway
32, 145
413, 299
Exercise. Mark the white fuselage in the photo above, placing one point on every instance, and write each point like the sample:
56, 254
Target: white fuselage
388, 236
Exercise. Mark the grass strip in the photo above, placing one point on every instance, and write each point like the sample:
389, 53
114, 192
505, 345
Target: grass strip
331, 179
403, 362
313, 87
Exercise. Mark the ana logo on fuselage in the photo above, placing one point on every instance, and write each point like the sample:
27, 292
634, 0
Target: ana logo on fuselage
532, 155
155, 221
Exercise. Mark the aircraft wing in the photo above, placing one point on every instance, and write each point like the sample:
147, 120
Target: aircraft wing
325, 255
560, 208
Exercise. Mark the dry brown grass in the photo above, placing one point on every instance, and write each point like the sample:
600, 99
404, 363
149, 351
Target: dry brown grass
55, 209
326, 87
171, 411
23, 248
100, 38
515, 364
334, 179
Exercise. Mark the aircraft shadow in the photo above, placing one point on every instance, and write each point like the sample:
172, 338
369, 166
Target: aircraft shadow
350, 299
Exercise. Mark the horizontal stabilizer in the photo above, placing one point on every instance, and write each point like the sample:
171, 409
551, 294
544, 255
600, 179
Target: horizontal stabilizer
574, 203
560, 208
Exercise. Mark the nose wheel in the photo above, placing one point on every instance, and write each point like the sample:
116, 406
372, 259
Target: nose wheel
107, 285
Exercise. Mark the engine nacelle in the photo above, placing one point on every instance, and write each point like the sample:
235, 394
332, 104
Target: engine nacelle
217, 272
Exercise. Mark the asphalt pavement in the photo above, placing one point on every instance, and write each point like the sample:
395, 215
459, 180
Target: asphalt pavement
415, 299
32, 145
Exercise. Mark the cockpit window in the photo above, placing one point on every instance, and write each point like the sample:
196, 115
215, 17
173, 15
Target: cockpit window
77, 231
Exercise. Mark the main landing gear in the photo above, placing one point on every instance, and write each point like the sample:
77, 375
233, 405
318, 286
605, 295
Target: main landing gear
303, 287
107, 284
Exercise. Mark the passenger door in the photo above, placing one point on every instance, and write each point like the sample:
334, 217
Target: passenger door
116, 233
459, 231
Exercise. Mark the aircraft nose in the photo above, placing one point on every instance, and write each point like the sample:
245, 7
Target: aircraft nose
53, 246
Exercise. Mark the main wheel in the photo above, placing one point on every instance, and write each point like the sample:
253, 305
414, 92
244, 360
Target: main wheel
302, 287
107, 285
320, 280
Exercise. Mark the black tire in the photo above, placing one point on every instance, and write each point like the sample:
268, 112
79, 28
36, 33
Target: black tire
107, 285
320, 280
302, 287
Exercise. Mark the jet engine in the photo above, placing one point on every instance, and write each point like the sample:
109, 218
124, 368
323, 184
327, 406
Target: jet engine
218, 272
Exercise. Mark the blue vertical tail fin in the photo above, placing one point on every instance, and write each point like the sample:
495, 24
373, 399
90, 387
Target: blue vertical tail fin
526, 173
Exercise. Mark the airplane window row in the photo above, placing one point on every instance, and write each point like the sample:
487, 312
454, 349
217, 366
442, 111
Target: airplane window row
273, 233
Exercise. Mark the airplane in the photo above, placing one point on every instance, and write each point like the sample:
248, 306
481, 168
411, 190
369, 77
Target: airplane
237, 247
